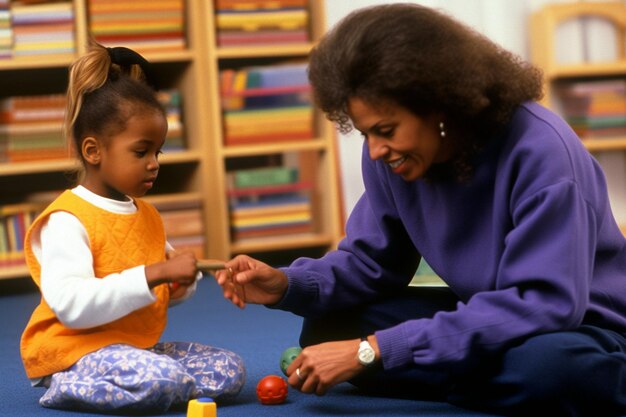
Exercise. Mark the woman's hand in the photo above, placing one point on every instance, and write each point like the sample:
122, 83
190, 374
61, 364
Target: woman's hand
247, 280
322, 366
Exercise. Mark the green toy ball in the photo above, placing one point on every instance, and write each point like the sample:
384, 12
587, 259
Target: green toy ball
287, 357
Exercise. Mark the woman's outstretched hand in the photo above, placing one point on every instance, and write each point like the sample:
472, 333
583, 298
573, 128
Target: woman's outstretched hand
320, 367
247, 280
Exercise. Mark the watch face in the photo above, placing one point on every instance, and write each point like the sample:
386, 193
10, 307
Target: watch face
366, 355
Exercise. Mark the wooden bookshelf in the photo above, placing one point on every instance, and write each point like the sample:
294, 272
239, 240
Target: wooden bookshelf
199, 172
321, 151
543, 27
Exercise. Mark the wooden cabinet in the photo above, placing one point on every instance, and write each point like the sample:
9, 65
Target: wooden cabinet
200, 171
544, 26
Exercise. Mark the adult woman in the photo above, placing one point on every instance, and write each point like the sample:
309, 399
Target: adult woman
463, 169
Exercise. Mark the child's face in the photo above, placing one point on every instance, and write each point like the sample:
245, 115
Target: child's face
129, 161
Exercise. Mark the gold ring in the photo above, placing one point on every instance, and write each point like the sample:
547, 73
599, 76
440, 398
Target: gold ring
300, 377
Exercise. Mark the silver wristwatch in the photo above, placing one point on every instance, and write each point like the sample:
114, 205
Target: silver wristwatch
366, 354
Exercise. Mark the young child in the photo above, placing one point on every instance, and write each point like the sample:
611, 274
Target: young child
100, 258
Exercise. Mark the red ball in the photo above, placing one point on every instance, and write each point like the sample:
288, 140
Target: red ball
271, 389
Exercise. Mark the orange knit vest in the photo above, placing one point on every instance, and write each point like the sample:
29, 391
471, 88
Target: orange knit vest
117, 242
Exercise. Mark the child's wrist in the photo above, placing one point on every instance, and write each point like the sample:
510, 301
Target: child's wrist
154, 275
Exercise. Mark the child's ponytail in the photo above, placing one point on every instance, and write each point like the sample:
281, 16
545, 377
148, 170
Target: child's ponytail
101, 83
87, 74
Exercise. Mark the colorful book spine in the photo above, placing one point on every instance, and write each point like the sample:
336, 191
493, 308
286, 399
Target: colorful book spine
143, 25
261, 22
266, 104
268, 201
258, 4
42, 28
264, 176
171, 100
184, 224
595, 109
6, 30
15, 219
31, 128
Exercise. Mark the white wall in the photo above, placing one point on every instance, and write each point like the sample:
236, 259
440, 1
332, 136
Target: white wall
505, 22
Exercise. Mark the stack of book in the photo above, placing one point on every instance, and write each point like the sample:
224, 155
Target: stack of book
268, 201
31, 128
6, 31
141, 25
15, 219
171, 101
184, 226
257, 22
42, 27
595, 109
266, 104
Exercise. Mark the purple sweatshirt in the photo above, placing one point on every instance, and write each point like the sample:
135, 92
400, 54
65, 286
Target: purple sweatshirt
529, 245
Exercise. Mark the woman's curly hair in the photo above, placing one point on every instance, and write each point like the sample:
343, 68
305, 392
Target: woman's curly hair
427, 62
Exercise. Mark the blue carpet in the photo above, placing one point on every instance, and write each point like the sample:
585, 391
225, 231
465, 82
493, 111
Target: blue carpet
258, 334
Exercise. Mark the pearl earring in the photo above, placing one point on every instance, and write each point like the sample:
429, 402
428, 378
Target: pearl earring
442, 130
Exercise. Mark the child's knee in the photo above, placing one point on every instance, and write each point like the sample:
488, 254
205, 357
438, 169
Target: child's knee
225, 380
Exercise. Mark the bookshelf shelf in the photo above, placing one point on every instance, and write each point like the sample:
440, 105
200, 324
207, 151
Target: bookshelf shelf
596, 69
16, 168
318, 144
282, 243
174, 56
8, 169
604, 144
544, 24
9, 272
199, 173
27, 62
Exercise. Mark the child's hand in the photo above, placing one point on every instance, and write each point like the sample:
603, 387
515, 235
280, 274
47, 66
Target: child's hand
177, 290
179, 268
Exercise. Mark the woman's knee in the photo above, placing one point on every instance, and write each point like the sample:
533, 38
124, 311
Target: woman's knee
573, 370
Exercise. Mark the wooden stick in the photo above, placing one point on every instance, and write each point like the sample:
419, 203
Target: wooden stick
206, 265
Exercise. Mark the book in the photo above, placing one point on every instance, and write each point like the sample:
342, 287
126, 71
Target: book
31, 128
268, 201
15, 219
288, 19
183, 222
269, 189
143, 25
238, 235
266, 104
262, 37
42, 28
264, 176
258, 4
194, 244
595, 108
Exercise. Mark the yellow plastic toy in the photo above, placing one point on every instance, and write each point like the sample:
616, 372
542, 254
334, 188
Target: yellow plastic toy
201, 407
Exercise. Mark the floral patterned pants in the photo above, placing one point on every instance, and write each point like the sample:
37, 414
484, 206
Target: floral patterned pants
122, 378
